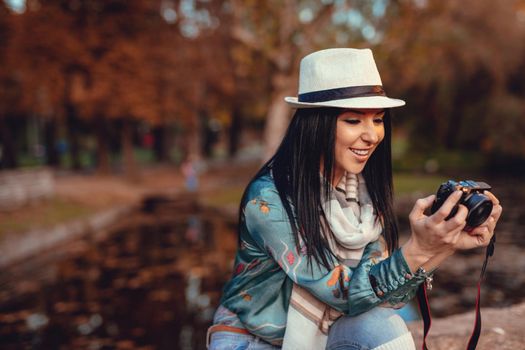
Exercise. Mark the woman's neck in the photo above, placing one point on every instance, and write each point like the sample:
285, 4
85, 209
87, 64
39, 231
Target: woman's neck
337, 175
337, 178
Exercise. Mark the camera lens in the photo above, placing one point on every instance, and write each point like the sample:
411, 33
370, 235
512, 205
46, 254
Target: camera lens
479, 208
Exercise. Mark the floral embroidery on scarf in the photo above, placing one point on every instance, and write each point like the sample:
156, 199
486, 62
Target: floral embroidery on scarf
254, 263
291, 258
239, 268
302, 247
335, 276
246, 296
337, 293
376, 256
264, 207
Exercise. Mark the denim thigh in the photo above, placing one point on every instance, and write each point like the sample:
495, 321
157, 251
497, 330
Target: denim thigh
235, 341
367, 330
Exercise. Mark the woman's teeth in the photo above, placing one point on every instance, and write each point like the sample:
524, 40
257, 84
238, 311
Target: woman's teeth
360, 152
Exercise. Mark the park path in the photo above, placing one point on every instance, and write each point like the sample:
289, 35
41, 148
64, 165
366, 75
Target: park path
502, 329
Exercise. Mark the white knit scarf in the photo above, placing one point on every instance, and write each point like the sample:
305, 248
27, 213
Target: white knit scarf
350, 215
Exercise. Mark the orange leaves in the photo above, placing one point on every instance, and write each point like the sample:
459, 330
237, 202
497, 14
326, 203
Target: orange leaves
339, 269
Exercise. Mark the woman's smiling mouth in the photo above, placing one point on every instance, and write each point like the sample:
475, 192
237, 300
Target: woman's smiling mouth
361, 152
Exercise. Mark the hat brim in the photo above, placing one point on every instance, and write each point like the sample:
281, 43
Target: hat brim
355, 102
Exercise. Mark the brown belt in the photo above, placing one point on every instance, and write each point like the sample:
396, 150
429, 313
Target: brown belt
223, 328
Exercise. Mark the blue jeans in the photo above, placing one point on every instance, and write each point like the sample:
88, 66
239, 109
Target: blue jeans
235, 341
363, 332
368, 331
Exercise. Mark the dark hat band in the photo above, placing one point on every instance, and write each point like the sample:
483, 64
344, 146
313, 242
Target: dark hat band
341, 93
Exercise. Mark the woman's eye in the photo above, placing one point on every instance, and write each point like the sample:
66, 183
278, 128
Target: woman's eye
352, 121
378, 120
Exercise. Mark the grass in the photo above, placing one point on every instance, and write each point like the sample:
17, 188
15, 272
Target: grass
44, 214
404, 183
224, 196
448, 160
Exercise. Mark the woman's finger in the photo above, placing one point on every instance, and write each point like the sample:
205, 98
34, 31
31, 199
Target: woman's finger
492, 197
469, 241
420, 206
496, 212
458, 221
486, 236
446, 208
480, 230
484, 239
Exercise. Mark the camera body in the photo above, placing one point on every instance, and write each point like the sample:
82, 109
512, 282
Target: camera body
479, 205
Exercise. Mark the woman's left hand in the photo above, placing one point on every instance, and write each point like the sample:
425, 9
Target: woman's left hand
480, 236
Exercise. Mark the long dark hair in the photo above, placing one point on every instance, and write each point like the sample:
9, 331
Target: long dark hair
310, 139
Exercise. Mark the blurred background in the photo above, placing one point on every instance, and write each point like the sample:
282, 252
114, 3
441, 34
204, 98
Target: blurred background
129, 129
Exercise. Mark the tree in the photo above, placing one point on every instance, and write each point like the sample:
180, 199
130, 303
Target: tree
46, 57
283, 32
453, 60
8, 89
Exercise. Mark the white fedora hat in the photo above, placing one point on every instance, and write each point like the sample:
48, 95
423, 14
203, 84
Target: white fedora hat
345, 78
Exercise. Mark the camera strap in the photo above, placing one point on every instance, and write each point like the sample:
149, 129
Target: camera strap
424, 308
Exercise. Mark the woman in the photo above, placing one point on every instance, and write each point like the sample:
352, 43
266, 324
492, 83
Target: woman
317, 233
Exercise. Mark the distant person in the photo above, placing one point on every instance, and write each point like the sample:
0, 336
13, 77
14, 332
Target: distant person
190, 170
318, 262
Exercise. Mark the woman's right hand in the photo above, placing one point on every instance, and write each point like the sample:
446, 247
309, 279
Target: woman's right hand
433, 236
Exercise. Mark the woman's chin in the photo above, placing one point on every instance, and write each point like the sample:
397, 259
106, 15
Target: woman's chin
355, 169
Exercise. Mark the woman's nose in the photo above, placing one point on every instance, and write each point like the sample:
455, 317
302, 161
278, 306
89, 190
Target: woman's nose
370, 134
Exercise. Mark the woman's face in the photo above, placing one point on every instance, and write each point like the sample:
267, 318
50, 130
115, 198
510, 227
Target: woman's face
358, 133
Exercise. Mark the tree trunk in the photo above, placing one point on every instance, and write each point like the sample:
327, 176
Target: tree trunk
427, 131
50, 141
160, 143
207, 135
454, 125
8, 154
128, 157
276, 121
192, 143
73, 135
103, 160
235, 132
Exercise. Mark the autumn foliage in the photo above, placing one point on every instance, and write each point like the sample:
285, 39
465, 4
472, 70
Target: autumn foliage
95, 74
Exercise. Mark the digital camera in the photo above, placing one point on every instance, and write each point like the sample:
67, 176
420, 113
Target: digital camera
479, 205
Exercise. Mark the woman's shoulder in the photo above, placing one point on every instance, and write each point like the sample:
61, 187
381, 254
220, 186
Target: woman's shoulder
262, 187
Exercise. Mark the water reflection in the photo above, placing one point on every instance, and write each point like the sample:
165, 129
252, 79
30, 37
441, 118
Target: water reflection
151, 283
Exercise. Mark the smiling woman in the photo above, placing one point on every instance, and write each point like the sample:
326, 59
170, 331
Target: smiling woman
318, 263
